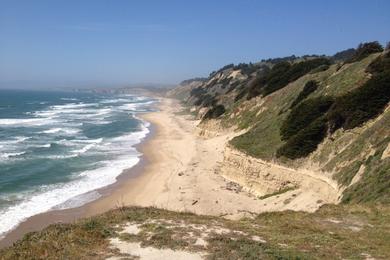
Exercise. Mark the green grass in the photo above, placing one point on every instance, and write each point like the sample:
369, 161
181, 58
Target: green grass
333, 232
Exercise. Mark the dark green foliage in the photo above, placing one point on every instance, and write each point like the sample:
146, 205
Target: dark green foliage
296, 71
225, 81
303, 115
320, 68
240, 95
256, 87
305, 141
188, 81
309, 88
344, 55
365, 49
229, 66
214, 112
208, 100
362, 104
197, 92
245, 68
278, 60
233, 86
281, 74
380, 64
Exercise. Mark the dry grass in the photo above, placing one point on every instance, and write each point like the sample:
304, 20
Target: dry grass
333, 232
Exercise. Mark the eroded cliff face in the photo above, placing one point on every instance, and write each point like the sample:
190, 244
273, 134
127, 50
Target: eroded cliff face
265, 178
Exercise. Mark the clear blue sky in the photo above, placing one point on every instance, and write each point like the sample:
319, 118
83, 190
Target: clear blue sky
122, 42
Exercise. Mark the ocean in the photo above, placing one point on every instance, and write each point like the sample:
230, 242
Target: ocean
57, 148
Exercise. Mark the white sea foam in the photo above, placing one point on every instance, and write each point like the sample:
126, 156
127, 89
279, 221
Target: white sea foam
55, 130
15, 140
69, 99
63, 194
25, 121
9, 155
72, 105
85, 148
65, 119
52, 130
43, 146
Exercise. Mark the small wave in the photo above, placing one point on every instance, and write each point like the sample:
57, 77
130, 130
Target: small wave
15, 140
52, 131
43, 146
72, 105
59, 194
10, 155
69, 99
61, 130
25, 121
84, 149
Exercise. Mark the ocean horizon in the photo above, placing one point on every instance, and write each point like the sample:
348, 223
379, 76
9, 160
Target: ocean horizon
58, 148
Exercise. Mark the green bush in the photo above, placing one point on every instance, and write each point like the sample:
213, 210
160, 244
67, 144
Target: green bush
208, 100
305, 141
303, 115
364, 50
380, 64
362, 104
309, 88
295, 71
344, 55
214, 112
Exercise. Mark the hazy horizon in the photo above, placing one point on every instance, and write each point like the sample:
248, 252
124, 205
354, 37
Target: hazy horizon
75, 44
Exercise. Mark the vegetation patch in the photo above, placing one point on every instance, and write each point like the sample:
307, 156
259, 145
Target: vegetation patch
305, 141
361, 104
214, 112
375, 181
309, 88
303, 115
333, 232
364, 50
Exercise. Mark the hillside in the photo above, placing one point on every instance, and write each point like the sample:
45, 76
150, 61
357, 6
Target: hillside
328, 116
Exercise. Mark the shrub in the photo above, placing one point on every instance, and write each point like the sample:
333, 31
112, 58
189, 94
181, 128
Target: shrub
362, 104
208, 100
285, 75
305, 141
364, 50
214, 112
309, 88
344, 55
320, 68
380, 64
197, 92
303, 115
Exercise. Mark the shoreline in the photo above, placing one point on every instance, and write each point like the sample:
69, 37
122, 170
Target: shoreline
39, 221
180, 170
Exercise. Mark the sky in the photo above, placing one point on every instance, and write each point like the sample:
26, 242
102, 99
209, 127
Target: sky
102, 42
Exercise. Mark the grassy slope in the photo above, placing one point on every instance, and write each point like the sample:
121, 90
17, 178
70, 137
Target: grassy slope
333, 232
263, 139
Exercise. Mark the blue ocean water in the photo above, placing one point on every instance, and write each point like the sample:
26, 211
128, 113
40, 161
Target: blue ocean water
56, 148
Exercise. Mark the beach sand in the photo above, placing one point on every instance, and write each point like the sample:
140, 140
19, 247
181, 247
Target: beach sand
180, 173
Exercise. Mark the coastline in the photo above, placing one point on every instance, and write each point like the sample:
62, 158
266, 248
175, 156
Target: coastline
44, 219
179, 170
